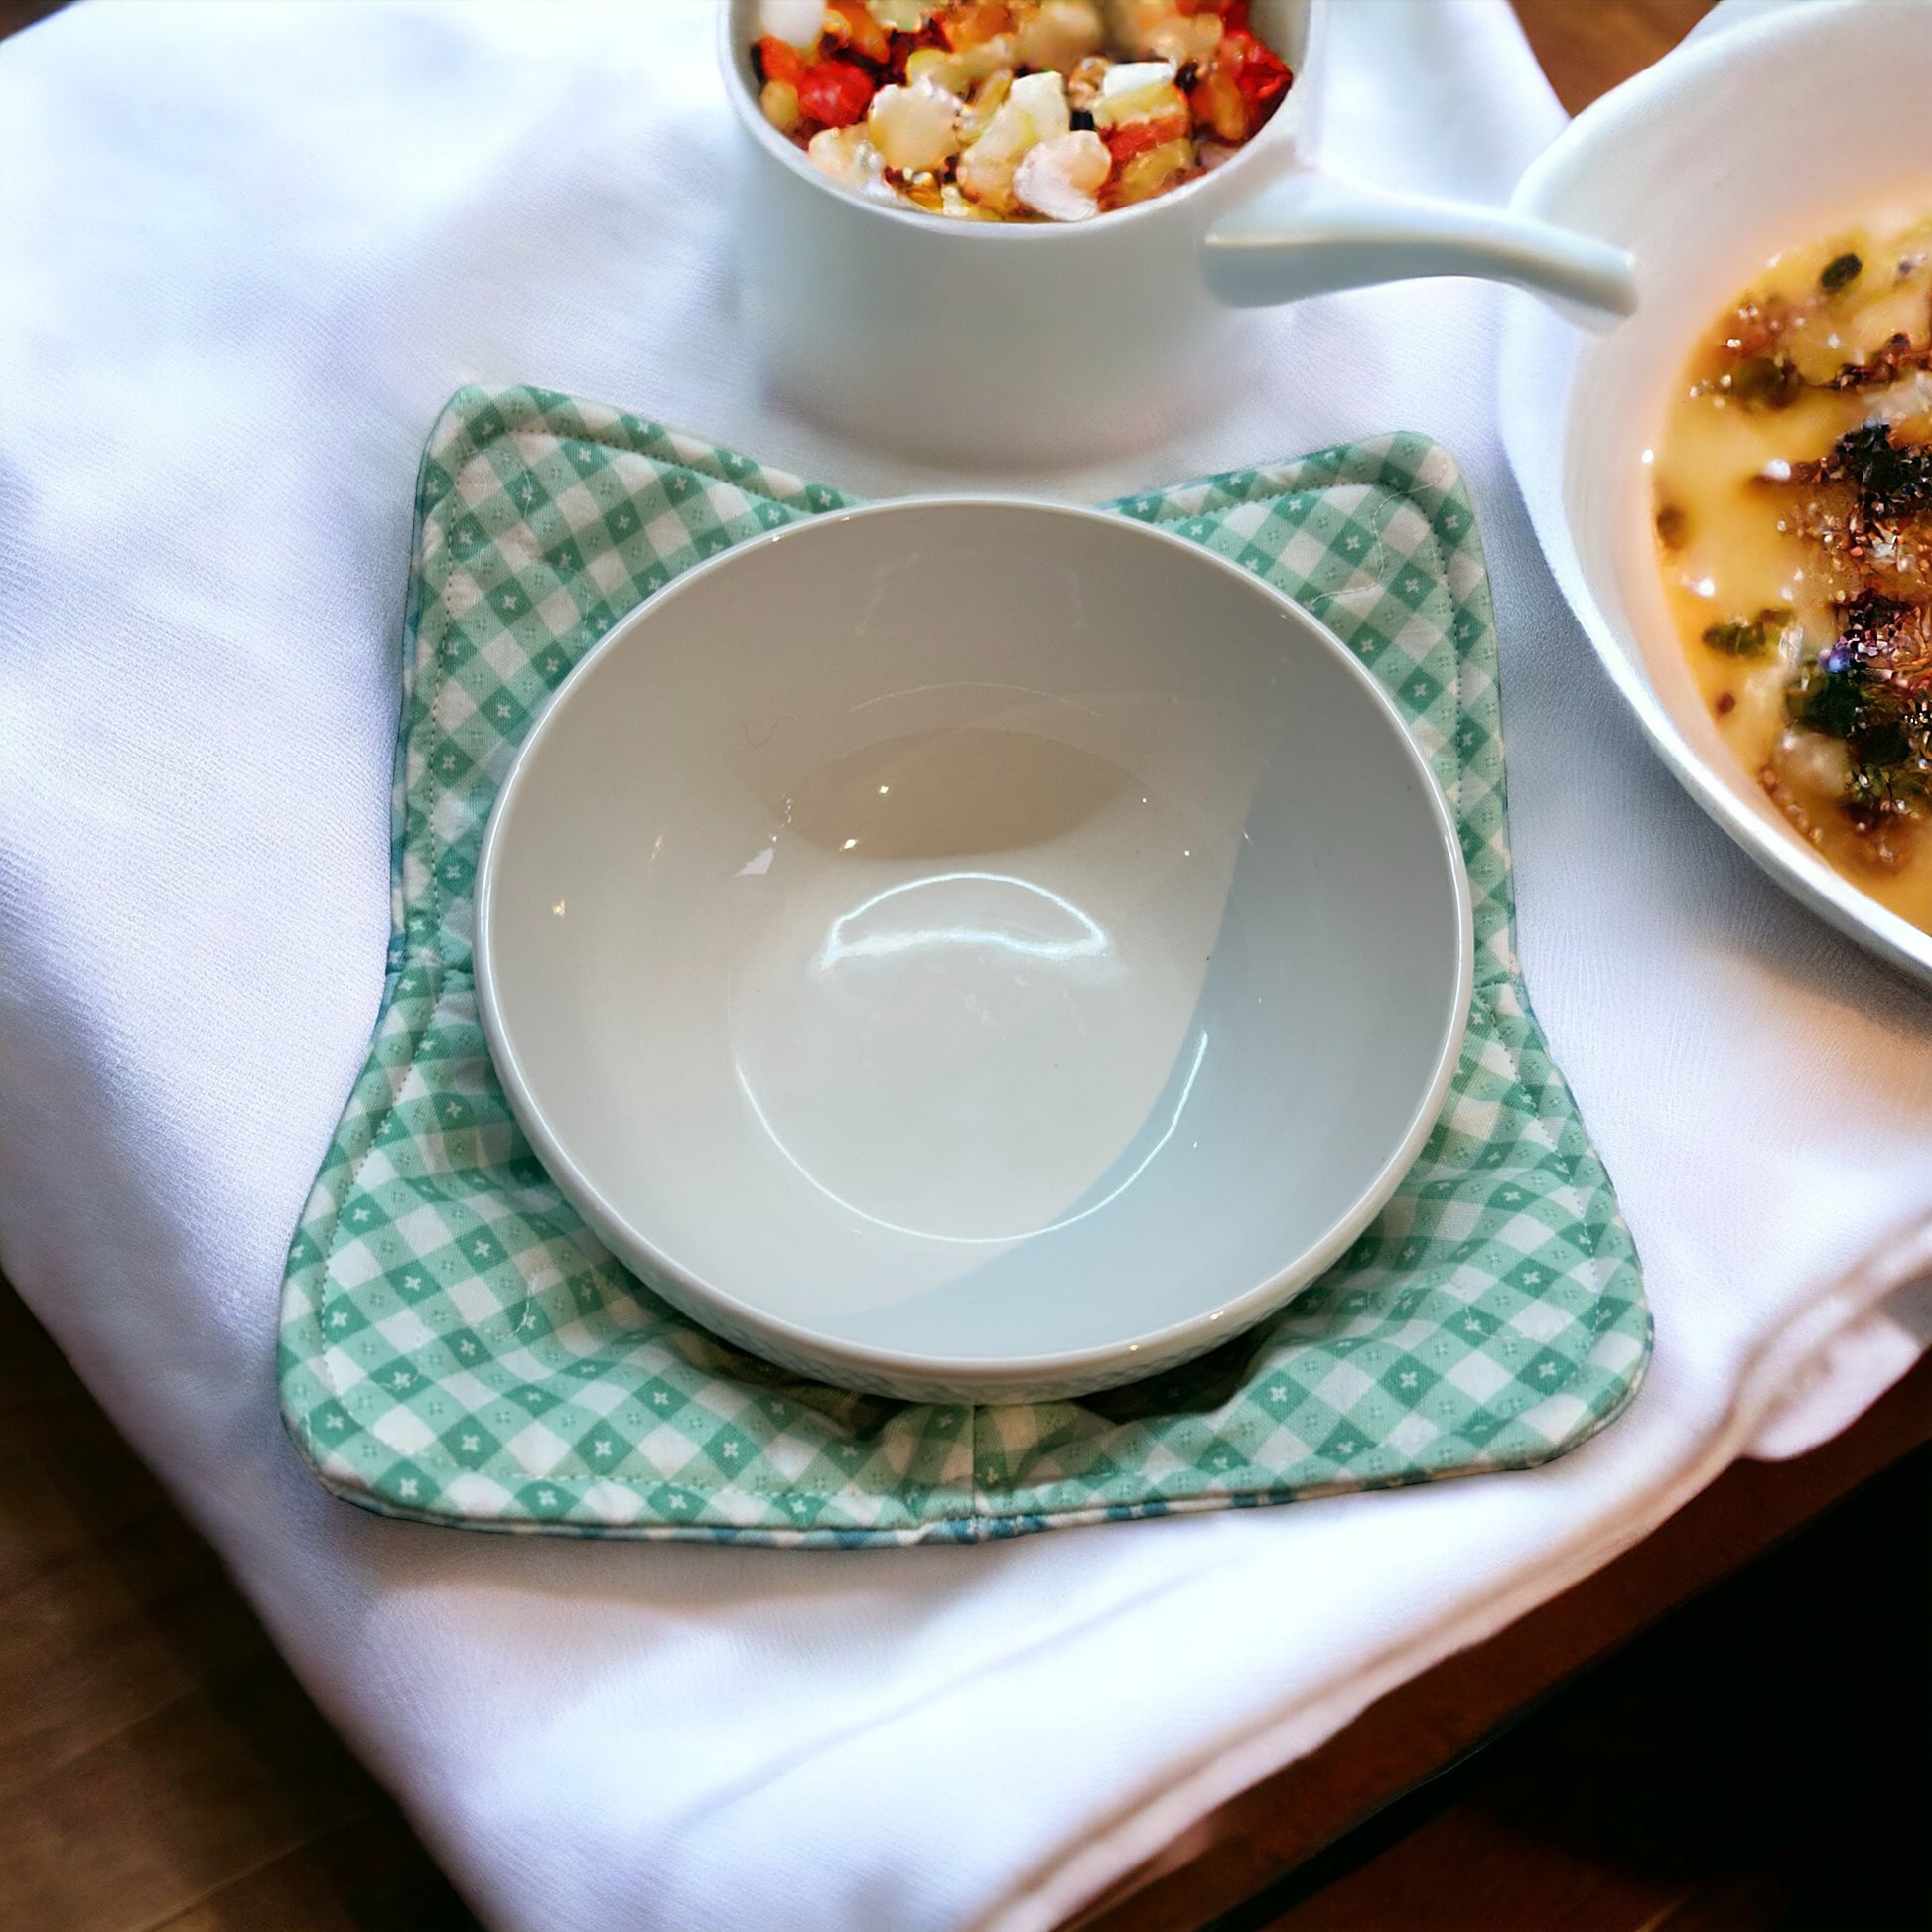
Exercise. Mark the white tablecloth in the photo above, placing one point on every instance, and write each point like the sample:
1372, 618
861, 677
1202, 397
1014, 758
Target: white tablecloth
245, 253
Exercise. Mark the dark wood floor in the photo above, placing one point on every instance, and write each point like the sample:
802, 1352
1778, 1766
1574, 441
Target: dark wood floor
1759, 1762
1762, 1759
159, 1766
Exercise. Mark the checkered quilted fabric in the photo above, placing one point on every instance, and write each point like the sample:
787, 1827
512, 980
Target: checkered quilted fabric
456, 1347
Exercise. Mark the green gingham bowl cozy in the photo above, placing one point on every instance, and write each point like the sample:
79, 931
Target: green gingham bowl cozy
457, 1347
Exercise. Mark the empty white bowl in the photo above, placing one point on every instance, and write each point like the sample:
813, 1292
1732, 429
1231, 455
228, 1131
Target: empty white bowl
973, 951
1750, 138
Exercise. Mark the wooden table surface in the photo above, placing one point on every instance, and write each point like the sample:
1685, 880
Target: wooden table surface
160, 1768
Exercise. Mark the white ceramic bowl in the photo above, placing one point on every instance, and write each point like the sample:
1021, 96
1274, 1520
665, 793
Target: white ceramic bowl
1037, 344
1750, 139
973, 950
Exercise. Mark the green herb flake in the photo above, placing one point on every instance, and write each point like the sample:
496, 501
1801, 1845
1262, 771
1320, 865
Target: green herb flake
1840, 272
1747, 638
1766, 382
1825, 701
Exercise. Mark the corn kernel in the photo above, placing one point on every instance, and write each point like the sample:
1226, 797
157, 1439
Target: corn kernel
986, 168
955, 203
915, 129
846, 155
780, 101
1183, 38
1217, 101
1152, 172
1154, 103
935, 64
1060, 35
988, 98
1136, 21
1084, 84
988, 56
1043, 96
1061, 177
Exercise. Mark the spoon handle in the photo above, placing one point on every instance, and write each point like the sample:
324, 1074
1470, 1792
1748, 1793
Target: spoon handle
1314, 234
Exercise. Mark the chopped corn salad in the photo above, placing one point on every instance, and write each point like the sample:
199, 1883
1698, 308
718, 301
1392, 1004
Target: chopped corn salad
1015, 110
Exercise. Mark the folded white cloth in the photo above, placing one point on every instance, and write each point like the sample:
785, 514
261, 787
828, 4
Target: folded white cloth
249, 250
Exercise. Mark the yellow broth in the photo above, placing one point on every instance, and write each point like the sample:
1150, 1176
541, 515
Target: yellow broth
1793, 499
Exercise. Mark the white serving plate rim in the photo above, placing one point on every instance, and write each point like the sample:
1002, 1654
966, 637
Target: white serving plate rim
1163, 1346
1778, 850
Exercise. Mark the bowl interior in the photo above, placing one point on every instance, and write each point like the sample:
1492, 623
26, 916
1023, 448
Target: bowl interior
1292, 28
973, 932
1758, 138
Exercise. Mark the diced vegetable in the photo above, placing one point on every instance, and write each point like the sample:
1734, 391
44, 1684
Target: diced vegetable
916, 130
940, 66
988, 98
1135, 23
835, 94
1152, 172
966, 23
1043, 98
776, 59
1257, 71
845, 154
1182, 37
1059, 34
1216, 102
780, 100
986, 168
796, 22
953, 203
1132, 76
848, 22
1061, 177
1050, 111
1162, 101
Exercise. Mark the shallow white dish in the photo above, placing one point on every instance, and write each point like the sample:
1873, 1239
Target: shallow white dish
1752, 139
973, 950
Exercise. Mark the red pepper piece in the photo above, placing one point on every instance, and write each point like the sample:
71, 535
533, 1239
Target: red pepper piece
834, 93
1260, 73
776, 59
1136, 137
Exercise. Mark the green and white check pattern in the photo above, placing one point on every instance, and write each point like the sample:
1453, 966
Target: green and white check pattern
456, 1347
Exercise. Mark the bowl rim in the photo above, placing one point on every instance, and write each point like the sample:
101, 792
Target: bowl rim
1777, 850
883, 1367
1279, 131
